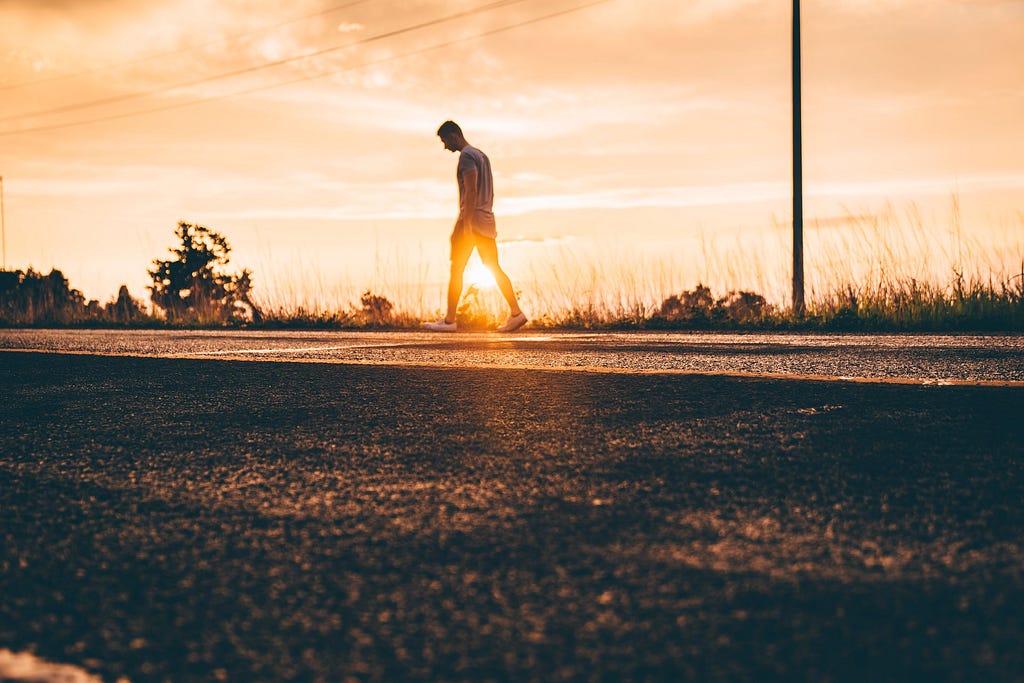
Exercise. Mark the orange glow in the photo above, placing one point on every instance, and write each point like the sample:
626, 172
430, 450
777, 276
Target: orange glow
304, 133
478, 275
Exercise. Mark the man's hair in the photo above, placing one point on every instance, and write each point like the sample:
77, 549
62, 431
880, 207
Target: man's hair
449, 127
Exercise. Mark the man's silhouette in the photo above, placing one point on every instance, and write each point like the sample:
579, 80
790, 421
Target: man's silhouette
474, 228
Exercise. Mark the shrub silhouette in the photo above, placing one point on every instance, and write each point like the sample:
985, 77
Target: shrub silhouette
192, 287
695, 306
742, 307
472, 313
376, 309
698, 307
31, 298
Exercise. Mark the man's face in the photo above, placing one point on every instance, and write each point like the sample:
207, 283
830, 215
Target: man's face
449, 142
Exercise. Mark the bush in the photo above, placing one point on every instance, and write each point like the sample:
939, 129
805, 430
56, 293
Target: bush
472, 313
376, 309
695, 306
742, 307
192, 287
699, 308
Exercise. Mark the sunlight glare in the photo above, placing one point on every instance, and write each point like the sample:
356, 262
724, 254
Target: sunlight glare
476, 274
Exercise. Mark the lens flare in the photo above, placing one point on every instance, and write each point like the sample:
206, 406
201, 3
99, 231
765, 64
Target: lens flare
476, 274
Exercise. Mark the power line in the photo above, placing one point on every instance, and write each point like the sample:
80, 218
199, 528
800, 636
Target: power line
181, 105
171, 53
259, 67
422, 50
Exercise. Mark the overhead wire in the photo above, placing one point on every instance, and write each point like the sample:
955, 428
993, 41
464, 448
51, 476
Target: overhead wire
278, 84
419, 51
114, 99
170, 53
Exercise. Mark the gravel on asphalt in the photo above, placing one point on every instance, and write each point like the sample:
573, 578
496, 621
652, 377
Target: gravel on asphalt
197, 520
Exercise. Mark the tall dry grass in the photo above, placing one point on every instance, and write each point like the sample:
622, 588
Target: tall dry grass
892, 269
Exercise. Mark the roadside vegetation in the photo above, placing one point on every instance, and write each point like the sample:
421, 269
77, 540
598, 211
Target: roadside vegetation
30, 298
194, 288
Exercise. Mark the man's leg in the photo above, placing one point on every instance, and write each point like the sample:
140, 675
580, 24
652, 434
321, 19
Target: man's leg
462, 247
488, 250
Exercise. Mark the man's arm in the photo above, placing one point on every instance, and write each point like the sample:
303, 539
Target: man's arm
468, 207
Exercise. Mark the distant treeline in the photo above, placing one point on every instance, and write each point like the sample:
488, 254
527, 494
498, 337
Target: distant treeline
32, 298
191, 288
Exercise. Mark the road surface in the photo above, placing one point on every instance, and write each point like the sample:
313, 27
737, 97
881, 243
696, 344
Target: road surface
525, 508
914, 358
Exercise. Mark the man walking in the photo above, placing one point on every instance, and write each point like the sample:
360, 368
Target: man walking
474, 228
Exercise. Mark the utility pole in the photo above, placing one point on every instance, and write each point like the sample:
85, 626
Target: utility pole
3, 223
798, 181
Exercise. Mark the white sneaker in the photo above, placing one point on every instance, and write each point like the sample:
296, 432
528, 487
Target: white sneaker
440, 326
513, 323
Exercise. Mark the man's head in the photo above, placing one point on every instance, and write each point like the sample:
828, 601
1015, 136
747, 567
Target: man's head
451, 136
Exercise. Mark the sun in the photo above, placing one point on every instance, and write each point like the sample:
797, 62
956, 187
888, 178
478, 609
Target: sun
476, 274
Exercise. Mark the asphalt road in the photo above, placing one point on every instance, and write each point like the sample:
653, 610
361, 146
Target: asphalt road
356, 516
918, 358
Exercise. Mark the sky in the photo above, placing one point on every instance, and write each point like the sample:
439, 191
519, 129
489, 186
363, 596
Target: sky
637, 145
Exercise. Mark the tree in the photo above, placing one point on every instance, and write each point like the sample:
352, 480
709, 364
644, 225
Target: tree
192, 287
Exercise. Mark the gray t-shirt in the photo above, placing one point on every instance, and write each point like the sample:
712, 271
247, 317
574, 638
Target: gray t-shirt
483, 218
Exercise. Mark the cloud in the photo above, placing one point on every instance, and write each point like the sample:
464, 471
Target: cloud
636, 197
733, 194
539, 242
904, 187
65, 188
685, 104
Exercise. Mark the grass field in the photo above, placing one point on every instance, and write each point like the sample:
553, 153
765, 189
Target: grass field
893, 270
890, 271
